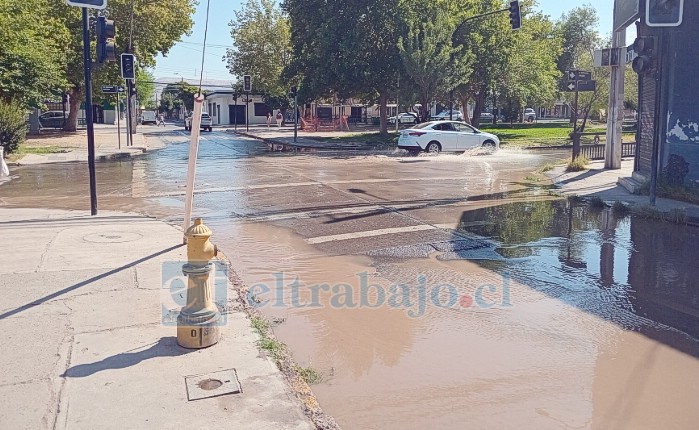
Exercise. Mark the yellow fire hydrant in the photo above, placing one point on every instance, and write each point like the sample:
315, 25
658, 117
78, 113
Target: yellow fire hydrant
198, 321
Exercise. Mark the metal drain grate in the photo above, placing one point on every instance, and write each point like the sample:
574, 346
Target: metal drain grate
212, 384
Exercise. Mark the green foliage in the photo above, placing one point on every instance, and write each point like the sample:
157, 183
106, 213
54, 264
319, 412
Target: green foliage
429, 57
262, 49
177, 95
31, 52
13, 126
309, 375
145, 87
157, 27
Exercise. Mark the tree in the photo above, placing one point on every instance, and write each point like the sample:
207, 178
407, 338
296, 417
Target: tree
430, 59
157, 26
31, 49
577, 29
145, 88
346, 48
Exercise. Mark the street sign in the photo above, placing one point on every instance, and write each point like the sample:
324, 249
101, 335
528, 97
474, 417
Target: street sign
112, 89
607, 57
625, 12
664, 13
578, 75
574, 86
90, 4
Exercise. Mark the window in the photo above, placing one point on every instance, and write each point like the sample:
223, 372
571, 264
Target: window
261, 109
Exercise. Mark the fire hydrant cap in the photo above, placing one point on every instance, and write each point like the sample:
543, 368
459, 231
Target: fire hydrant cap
198, 230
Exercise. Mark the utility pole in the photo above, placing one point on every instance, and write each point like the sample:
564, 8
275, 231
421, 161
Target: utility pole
88, 113
615, 115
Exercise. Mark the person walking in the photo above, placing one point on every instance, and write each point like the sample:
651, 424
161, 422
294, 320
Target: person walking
269, 119
280, 118
161, 120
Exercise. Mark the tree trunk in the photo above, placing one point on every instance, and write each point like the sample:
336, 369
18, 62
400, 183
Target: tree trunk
463, 101
75, 99
478, 108
382, 114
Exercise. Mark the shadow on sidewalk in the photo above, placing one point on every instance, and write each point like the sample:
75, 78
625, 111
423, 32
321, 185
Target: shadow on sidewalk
165, 347
85, 282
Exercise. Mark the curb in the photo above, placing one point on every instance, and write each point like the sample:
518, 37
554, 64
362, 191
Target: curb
275, 144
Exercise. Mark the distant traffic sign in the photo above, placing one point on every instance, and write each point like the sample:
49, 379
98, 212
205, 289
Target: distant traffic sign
586, 85
112, 89
91, 4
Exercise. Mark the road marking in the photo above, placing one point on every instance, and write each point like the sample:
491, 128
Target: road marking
373, 233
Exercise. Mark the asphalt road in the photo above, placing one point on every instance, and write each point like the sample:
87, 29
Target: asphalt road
430, 291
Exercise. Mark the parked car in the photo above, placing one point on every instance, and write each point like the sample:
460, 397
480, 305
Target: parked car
53, 118
453, 136
487, 116
529, 115
404, 118
206, 122
457, 115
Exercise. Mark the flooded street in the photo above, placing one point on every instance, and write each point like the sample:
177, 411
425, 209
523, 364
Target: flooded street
441, 292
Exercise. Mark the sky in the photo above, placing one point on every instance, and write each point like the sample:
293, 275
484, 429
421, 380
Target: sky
184, 59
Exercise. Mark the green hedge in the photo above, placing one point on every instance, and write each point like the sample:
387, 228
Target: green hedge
13, 126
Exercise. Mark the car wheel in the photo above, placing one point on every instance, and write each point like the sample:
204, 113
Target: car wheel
489, 145
210, 130
414, 152
433, 147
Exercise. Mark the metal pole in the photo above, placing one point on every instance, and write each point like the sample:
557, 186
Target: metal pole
235, 112
118, 108
192, 164
451, 105
247, 109
296, 116
129, 114
615, 117
88, 114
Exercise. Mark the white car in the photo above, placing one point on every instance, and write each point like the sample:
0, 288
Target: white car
451, 136
456, 115
205, 122
404, 118
529, 115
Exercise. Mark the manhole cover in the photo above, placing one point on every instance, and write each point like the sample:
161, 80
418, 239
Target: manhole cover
212, 384
209, 384
112, 237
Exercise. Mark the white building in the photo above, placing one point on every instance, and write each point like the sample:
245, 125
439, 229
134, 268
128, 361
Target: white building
224, 110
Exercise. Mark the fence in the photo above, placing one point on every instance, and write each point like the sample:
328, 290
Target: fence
596, 151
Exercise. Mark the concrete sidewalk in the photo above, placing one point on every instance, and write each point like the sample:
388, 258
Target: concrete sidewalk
596, 181
107, 145
84, 348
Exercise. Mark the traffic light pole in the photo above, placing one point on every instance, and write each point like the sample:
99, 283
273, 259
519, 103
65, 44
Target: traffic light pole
88, 114
615, 117
129, 124
296, 116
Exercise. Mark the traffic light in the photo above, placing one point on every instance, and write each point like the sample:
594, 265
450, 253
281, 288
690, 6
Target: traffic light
128, 67
105, 40
644, 47
515, 15
292, 92
247, 83
664, 13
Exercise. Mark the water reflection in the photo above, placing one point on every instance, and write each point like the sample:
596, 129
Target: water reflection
638, 273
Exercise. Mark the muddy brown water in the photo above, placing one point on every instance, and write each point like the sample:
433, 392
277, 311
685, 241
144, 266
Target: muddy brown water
562, 317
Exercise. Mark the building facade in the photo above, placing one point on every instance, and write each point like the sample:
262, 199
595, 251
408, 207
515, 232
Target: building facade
669, 103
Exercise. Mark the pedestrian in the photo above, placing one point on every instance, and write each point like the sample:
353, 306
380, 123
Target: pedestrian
280, 118
269, 119
161, 120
